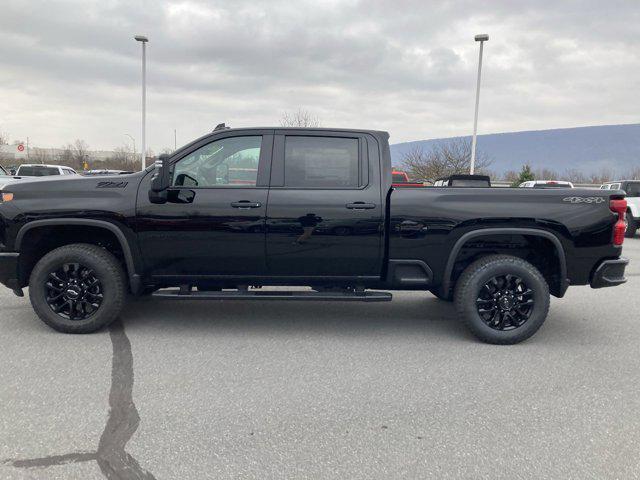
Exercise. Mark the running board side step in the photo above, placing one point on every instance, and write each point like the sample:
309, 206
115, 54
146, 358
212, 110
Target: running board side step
274, 295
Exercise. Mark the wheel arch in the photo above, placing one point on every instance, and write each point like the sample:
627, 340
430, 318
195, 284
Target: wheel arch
130, 264
457, 247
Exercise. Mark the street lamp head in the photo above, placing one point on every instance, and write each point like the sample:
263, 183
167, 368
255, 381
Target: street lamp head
141, 38
483, 37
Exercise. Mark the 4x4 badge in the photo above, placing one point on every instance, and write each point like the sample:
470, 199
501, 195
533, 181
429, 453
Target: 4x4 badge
583, 199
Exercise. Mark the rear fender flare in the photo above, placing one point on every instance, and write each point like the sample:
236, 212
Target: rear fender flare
448, 271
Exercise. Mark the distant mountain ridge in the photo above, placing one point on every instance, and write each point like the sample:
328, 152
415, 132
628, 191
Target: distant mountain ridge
586, 149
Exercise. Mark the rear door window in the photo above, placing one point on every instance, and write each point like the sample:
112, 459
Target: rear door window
321, 162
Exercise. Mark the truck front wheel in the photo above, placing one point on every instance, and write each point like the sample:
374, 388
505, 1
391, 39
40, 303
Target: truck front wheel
77, 288
502, 299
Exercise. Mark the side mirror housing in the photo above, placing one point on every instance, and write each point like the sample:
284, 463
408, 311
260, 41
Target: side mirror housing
161, 180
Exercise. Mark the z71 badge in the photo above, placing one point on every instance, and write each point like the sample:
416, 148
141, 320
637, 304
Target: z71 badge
583, 199
112, 184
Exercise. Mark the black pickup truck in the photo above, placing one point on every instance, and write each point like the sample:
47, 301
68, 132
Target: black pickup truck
238, 211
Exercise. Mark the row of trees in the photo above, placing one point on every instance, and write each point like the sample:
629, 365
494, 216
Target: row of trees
571, 175
78, 156
454, 157
443, 159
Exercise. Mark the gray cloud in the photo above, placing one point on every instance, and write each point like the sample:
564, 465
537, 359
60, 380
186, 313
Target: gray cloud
71, 69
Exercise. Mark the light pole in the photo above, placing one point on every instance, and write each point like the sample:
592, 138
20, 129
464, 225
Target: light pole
479, 38
133, 140
143, 40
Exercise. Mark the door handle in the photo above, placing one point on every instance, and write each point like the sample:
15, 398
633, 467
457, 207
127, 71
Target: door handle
245, 204
360, 206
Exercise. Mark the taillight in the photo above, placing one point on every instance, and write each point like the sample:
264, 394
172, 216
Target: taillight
619, 206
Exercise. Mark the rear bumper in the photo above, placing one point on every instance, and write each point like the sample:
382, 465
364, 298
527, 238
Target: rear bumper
609, 273
9, 270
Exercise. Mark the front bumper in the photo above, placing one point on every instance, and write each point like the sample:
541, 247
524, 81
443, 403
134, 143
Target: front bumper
9, 270
609, 273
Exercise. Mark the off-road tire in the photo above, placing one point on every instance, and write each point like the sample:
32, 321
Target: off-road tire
476, 276
106, 268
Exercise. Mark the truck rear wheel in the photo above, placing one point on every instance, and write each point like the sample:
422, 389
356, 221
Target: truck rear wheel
502, 299
77, 288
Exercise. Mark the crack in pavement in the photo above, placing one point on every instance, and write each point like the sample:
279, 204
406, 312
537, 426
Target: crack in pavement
114, 462
76, 457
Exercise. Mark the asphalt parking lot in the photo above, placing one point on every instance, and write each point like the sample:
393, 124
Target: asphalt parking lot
313, 390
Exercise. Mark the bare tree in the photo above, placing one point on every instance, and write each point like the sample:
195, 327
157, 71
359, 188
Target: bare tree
66, 156
300, 118
604, 175
6, 160
575, 176
546, 174
122, 159
448, 157
40, 155
633, 174
511, 176
80, 151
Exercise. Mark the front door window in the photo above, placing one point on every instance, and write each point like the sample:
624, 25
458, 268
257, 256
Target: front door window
229, 162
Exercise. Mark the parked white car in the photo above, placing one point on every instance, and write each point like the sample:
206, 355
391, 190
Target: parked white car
546, 184
632, 189
39, 170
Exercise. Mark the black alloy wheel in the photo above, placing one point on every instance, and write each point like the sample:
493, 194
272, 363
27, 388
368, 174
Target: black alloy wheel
505, 302
502, 299
78, 288
73, 291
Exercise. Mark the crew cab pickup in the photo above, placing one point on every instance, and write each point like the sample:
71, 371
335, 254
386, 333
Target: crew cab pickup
319, 211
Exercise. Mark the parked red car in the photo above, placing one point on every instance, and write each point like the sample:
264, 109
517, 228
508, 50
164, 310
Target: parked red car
401, 179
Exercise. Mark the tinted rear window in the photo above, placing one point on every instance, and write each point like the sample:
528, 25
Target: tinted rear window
38, 171
321, 162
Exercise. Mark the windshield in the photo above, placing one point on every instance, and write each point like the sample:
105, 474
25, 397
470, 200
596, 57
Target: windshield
37, 171
3, 171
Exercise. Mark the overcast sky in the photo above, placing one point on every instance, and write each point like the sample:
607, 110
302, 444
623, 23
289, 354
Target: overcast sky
72, 69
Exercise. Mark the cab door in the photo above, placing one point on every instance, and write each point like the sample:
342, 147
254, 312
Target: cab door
325, 215
214, 222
